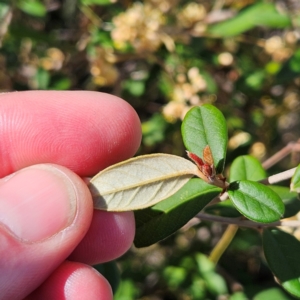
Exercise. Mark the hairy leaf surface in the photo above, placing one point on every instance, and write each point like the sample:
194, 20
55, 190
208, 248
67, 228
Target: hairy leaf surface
140, 182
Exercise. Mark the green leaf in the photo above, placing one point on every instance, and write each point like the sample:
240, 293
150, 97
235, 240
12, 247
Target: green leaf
259, 14
140, 182
214, 282
42, 78
273, 67
174, 276
135, 87
197, 289
272, 293
127, 290
256, 201
154, 130
33, 7
282, 254
5, 19
205, 125
4, 10
290, 200
239, 296
246, 167
295, 183
166, 217
61, 84
97, 2
256, 80
294, 62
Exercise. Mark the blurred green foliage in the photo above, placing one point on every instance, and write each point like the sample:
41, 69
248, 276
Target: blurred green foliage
163, 57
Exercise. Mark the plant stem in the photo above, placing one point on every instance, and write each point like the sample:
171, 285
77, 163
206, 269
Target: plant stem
234, 223
223, 243
279, 177
247, 223
269, 180
285, 151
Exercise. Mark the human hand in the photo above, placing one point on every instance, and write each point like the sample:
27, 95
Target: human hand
46, 210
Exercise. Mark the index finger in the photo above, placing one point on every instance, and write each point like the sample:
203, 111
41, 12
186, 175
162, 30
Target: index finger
83, 131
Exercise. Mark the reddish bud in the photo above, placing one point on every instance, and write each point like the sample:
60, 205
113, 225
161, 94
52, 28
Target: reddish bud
207, 166
196, 159
207, 156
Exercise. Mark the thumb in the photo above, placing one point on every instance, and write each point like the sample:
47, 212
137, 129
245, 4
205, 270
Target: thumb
45, 210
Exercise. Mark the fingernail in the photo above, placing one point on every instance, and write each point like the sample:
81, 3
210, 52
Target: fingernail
37, 202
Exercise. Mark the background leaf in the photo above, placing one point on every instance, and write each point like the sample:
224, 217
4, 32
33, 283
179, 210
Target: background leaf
140, 182
264, 14
215, 283
205, 125
246, 167
33, 7
295, 183
256, 201
163, 219
42, 78
282, 254
135, 87
175, 276
272, 293
97, 2
154, 130
126, 291
290, 200
5, 19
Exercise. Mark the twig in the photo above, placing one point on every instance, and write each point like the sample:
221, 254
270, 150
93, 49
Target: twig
269, 180
234, 223
223, 243
285, 151
246, 223
279, 177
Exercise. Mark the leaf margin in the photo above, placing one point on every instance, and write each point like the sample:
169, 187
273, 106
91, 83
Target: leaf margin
206, 125
99, 197
237, 196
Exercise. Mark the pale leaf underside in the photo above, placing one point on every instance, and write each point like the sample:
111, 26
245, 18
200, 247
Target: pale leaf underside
140, 182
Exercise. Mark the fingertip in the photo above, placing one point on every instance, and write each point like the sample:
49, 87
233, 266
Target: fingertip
83, 131
110, 235
124, 127
71, 281
29, 230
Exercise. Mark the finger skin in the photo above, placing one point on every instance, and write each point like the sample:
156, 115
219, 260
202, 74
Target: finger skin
107, 231
72, 281
26, 265
83, 131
